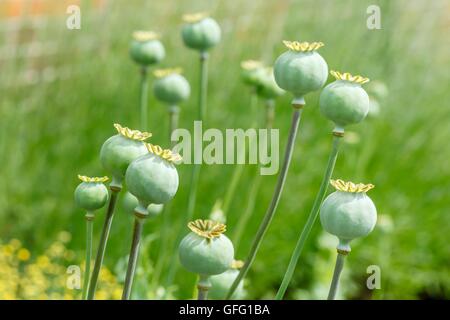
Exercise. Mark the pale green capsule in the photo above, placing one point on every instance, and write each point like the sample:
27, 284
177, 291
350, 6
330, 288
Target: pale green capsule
91, 194
221, 283
171, 87
120, 150
267, 86
348, 213
253, 72
301, 69
206, 250
153, 178
374, 107
146, 49
130, 202
378, 89
200, 32
344, 101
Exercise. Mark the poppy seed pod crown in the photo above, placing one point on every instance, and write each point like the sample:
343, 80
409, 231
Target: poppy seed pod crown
200, 31
120, 150
152, 178
301, 69
170, 86
344, 101
348, 213
146, 49
91, 194
206, 250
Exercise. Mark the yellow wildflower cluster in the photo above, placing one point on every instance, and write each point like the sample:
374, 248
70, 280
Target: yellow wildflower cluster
42, 277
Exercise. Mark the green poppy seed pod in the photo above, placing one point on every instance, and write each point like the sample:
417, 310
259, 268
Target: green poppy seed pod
170, 86
221, 283
301, 69
146, 49
378, 89
252, 72
206, 250
91, 194
153, 178
267, 87
120, 150
348, 213
344, 101
155, 209
200, 32
130, 202
374, 107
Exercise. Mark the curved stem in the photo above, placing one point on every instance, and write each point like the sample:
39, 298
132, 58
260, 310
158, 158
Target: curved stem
203, 286
102, 244
245, 218
132, 260
270, 113
311, 218
201, 114
274, 203
203, 86
336, 274
144, 99
174, 112
162, 252
195, 177
87, 269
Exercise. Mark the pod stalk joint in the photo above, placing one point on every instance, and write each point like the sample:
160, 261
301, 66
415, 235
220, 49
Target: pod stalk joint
298, 103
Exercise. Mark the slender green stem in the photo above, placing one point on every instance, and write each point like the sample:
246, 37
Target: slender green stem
162, 252
336, 274
203, 88
238, 169
273, 204
245, 218
202, 294
201, 115
144, 99
311, 218
132, 260
174, 112
270, 113
195, 177
102, 245
87, 269
203, 286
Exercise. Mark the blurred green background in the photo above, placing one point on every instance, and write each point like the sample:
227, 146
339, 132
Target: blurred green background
60, 97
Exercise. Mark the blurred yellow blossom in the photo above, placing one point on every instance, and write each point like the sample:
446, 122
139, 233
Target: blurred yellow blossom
44, 276
23, 254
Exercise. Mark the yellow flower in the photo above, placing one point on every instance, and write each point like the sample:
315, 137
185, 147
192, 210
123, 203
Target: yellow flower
16, 244
43, 262
117, 294
23, 254
7, 250
64, 236
101, 295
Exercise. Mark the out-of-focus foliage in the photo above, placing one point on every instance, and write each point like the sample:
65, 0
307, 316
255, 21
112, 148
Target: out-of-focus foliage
50, 132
